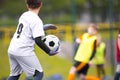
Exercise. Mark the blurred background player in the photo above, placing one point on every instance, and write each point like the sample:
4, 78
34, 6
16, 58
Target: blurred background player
99, 58
21, 49
117, 74
85, 53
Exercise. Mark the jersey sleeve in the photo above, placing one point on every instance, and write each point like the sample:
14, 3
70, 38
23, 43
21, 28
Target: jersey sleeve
37, 29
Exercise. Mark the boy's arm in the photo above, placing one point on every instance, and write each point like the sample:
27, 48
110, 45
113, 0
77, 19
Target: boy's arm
49, 27
40, 43
94, 50
78, 40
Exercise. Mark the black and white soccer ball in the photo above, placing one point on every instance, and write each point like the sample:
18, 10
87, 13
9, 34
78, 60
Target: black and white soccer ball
51, 41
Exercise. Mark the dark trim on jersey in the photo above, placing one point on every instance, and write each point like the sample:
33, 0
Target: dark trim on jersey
41, 44
94, 50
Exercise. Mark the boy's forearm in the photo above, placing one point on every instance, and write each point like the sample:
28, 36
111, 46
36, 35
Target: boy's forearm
41, 44
94, 50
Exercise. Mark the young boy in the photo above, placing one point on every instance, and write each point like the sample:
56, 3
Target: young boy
21, 49
85, 53
117, 74
99, 58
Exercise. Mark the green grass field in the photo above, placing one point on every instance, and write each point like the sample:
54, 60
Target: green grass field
51, 64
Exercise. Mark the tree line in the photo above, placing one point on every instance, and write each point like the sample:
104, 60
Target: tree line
61, 10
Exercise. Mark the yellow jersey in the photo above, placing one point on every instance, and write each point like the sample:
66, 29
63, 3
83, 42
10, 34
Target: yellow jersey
85, 48
100, 52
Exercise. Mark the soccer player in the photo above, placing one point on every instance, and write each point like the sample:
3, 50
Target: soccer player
85, 53
99, 58
21, 53
117, 74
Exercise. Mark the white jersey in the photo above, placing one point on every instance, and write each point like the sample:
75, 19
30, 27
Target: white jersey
30, 26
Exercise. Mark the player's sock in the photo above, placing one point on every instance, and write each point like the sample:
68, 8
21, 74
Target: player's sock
71, 77
117, 76
38, 75
13, 77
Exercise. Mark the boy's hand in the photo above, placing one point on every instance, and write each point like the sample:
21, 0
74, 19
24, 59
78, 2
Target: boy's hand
54, 51
49, 27
90, 63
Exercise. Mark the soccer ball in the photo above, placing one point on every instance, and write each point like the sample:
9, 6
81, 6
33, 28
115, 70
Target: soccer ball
51, 41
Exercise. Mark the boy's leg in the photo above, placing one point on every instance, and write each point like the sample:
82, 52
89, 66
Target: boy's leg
83, 72
38, 75
13, 77
98, 70
117, 74
82, 77
77, 67
15, 69
103, 70
72, 73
